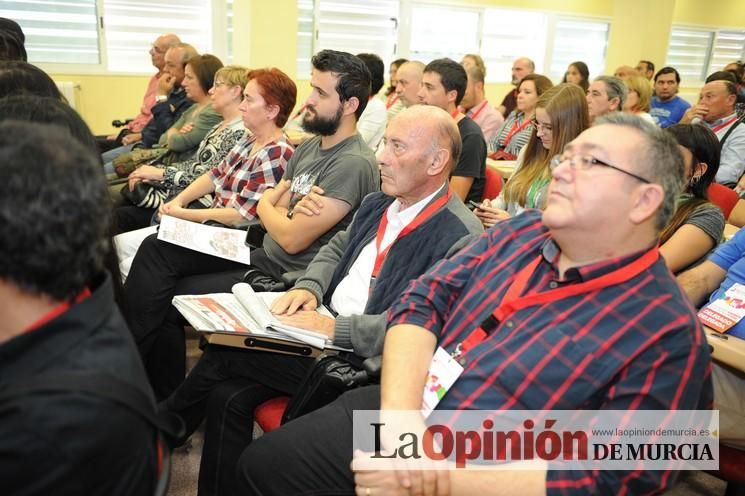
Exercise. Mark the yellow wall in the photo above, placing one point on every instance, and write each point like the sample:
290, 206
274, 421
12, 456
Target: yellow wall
265, 35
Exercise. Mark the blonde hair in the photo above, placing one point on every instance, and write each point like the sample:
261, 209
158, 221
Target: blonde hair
233, 75
641, 86
566, 106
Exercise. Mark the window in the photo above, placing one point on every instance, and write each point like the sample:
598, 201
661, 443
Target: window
111, 35
345, 25
502, 35
56, 31
443, 32
697, 52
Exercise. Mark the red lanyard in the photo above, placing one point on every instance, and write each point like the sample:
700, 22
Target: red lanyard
482, 107
455, 113
514, 130
512, 301
724, 124
300, 112
420, 218
391, 101
58, 310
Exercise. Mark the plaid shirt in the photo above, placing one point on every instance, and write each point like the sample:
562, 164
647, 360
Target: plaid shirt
240, 179
635, 345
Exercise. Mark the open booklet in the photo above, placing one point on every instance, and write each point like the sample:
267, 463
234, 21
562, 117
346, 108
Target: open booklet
221, 242
245, 312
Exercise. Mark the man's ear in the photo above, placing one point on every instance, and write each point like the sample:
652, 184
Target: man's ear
648, 199
351, 105
452, 95
440, 160
615, 103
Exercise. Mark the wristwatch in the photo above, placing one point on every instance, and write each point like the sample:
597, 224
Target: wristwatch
161, 98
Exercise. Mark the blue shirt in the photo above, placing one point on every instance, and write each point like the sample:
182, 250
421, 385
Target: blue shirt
731, 257
668, 113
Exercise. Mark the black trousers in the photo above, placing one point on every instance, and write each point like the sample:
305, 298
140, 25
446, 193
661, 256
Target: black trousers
310, 455
160, 271
224, 388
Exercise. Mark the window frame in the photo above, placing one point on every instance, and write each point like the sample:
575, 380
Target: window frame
714, 32
219, 46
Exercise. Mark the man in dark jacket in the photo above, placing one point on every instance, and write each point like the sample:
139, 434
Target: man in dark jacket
396, 235
59, 317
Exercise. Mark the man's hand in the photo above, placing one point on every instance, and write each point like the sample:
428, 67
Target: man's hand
402, 480
166, 83
313, 321
292, 301
490, 216
699, 111
131, 138
272, 195
311, 204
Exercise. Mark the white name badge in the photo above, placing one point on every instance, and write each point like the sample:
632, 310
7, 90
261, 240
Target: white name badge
442, 374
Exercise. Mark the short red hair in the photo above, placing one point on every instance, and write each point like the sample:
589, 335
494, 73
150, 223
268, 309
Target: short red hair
276, 88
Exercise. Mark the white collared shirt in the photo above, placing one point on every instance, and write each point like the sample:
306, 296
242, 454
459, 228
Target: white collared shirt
350, 296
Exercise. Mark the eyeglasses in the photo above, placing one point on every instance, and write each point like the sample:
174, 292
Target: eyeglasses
586, 162
155, 49
541, 127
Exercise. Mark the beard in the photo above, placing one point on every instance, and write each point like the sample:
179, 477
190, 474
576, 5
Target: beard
325, 126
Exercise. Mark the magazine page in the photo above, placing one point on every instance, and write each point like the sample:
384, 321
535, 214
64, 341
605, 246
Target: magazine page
258, 305
216, 312
220, 242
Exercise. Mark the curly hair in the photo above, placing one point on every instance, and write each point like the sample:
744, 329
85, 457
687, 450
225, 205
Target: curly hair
54, 243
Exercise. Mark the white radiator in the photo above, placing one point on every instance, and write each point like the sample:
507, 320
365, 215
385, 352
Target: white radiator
70, 91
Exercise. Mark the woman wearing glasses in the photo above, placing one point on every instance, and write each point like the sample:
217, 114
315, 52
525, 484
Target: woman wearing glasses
560, 116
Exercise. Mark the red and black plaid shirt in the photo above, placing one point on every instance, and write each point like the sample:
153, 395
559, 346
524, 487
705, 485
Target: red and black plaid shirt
635, 345
241, 178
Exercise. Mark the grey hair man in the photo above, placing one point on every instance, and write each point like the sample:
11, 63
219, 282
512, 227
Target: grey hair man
605, 94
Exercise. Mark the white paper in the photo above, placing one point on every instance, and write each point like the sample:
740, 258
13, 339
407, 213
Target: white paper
220, 242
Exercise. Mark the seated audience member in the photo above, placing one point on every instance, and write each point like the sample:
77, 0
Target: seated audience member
476, 106
605, 94
240, 179
560, 116
42, 109
408, 82
517, 128
645, 68
170, 101
708, 282
638, 97
12, 27
444, 83
697, 225
371, 125
624, 71
393, 103
59, 317
336, 163
716, 110
152, 185
134, 128
21, 78
180, 141
667, 107
578, 73
598, 220
228, 384
473, 60
520, 68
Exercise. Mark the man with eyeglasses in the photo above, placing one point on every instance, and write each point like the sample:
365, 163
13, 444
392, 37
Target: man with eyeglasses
134, 128
568, 309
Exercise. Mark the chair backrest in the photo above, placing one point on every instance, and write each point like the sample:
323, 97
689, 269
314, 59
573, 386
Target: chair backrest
722, 197
493, 184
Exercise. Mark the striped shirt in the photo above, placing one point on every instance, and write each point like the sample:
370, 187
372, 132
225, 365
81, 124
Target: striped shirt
634, 345
241, 178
